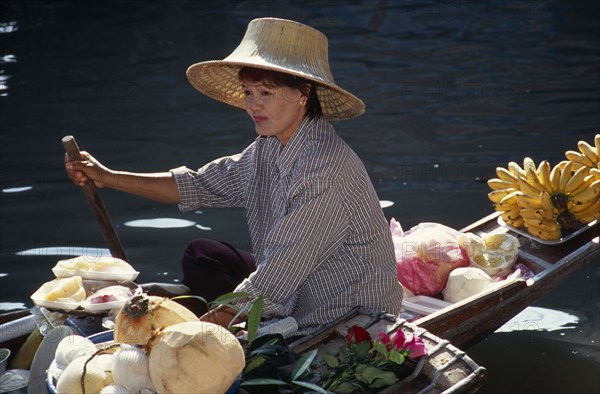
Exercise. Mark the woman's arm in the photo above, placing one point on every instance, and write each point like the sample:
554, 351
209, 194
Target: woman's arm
159, 186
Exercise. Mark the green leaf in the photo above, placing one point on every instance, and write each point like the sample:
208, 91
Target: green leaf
381, 349
385, 380
181, 297
396, 357
362, 350
254, 317
271, 348
346, 388
332, 361
310, 386
229, 297
263, 381
254, 363
303, 364
374, 377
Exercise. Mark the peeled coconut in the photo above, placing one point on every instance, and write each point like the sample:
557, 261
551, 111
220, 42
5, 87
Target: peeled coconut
464, 282
72, 347
195, 357
130, 369
495, 254
114, 389
142, 314
97, 375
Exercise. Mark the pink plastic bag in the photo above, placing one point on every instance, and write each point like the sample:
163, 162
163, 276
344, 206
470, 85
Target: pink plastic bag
425, 255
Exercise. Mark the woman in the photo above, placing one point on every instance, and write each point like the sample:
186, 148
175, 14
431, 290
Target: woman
321, 244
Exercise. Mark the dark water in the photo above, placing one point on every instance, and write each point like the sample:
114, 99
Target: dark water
452, 90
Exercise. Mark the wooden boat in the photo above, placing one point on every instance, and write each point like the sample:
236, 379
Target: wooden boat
445, 368
14, 337
467, 322
471, 320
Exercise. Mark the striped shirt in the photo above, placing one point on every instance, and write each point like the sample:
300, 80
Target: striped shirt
321, 242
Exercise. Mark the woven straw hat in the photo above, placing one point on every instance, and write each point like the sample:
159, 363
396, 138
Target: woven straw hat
278, 45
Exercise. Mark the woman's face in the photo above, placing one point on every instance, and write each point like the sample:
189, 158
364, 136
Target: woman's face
276, 110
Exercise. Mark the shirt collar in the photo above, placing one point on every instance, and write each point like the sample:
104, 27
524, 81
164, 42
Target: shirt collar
292, 149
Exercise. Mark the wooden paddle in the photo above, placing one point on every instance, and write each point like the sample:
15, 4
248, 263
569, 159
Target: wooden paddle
91, 193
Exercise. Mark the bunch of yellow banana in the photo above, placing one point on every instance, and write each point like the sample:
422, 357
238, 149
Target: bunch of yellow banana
549, 200
577, 189
540, 216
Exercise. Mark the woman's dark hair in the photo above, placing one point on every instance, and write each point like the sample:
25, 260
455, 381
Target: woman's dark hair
306, 87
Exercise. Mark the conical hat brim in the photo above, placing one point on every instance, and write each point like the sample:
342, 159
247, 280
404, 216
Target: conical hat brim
219, 80
278, 45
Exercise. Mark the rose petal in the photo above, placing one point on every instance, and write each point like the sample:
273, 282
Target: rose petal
357, 334
398, 340
416, 347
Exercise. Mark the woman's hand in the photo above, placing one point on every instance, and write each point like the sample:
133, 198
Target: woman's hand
87, 169
223, 316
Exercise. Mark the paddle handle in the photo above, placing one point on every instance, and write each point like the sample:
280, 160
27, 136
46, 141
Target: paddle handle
91, 193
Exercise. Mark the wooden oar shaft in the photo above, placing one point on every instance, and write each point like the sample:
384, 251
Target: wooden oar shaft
91, 193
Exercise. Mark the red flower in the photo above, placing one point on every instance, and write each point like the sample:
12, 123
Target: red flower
357, 334
383, 338
416, 347
398, 340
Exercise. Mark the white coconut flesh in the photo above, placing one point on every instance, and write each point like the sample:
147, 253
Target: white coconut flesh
195, 357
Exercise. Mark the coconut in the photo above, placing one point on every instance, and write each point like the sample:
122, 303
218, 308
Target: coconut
130, 369
72, 347
494, 254
142, 314
114, 389
195, 357
97, 375
464, 282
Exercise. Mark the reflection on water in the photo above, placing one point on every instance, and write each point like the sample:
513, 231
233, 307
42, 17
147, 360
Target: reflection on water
386, 203
65, 251
17, 189
540, 319
160, 223
9, 306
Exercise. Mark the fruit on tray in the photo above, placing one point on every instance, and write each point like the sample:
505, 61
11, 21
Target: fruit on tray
61, 290
548, 200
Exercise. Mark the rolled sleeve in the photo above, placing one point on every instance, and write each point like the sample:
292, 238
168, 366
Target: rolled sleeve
184, 178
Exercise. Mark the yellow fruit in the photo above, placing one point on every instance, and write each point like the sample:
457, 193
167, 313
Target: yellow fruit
565, 175
528, 187
498, 195
543, 234
499, 184
576, 180
578, 158
543, 174
512, 214
590, 213
555, 177
68, 290
516, 169
588, 151
498, 254
506, 175
588, 194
